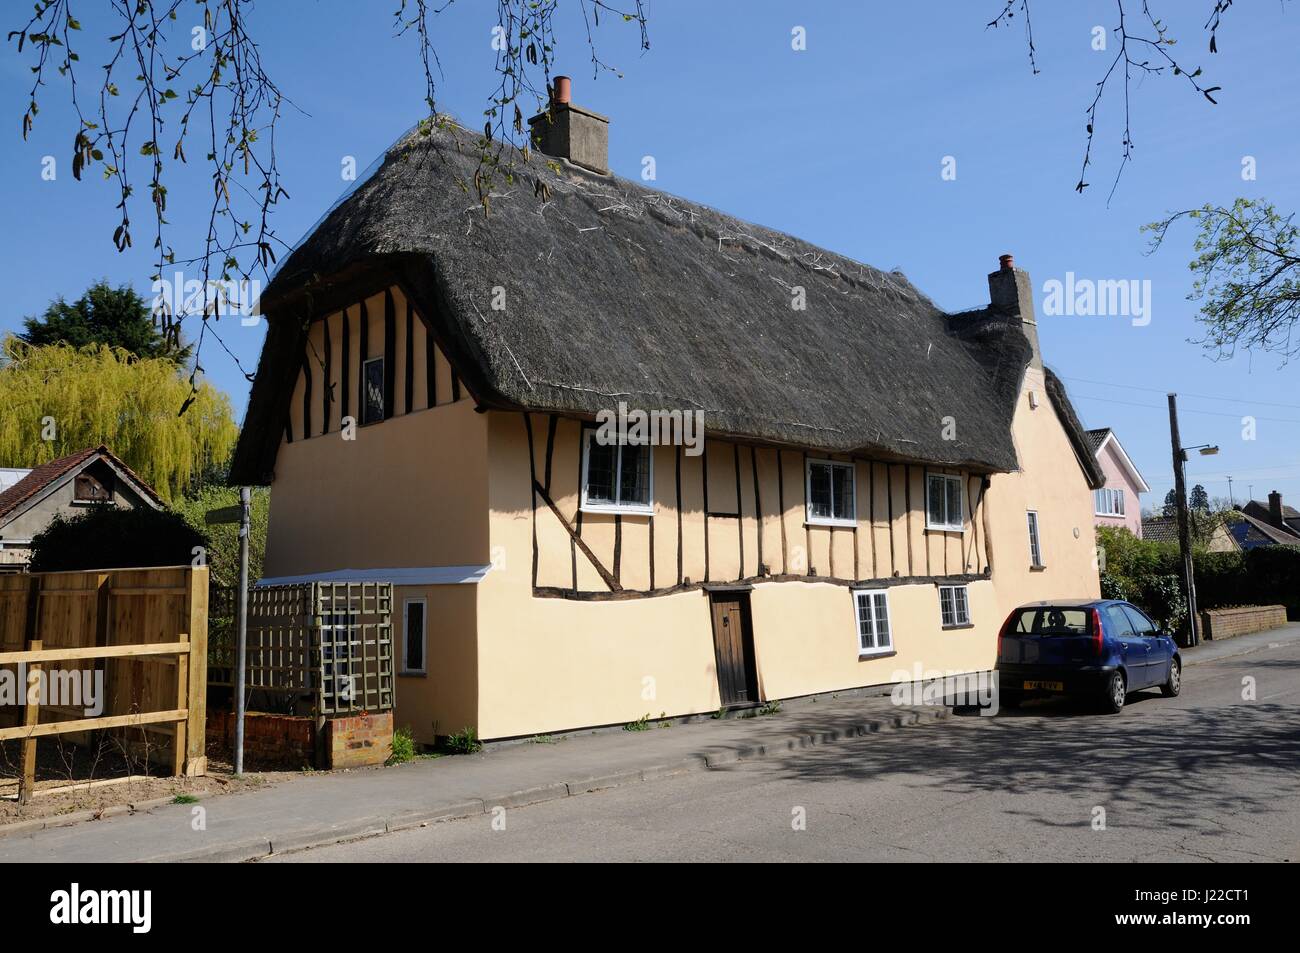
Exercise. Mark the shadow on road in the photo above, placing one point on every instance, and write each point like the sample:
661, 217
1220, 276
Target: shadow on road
1189, 764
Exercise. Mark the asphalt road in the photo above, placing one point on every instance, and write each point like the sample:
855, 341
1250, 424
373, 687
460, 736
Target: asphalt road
1205, 776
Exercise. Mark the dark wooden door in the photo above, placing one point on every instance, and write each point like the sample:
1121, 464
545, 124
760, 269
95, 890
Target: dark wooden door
733, 644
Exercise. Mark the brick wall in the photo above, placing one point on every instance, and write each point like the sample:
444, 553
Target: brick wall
360, 740
1226, 623
281, 741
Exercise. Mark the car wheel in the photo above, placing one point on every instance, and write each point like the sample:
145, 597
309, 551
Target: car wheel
1175, 684
1116, 693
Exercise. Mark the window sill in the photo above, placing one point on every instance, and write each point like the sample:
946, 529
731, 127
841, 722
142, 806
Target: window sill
1037, 568
617, 510
412, 674
867, 656
810, 521
958, 625
945, 529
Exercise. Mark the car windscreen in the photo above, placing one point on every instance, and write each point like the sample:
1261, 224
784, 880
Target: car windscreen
1052, 620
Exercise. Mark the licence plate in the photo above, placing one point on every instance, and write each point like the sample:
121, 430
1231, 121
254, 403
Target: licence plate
1045, 686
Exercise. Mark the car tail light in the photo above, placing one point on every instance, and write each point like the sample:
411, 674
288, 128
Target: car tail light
1097, 635
1003, 631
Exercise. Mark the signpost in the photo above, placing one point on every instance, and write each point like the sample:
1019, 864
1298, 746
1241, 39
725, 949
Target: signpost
238, 514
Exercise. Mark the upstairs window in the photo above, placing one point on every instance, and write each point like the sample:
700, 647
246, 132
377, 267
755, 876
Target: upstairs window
872, 609
1035, 550
1108, 502
830, 489
372, 376
616, 478
943, 502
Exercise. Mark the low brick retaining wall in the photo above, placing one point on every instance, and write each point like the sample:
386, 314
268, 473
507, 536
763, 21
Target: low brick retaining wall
360, 740
1218, 624
289, 741
280, 741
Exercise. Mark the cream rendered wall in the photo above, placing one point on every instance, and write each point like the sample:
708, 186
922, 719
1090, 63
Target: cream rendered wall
408, 492
1051, 482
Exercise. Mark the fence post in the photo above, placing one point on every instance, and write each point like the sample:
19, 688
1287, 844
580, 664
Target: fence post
31, 717
195, 693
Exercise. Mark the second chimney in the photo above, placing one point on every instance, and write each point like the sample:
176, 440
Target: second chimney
1275, 510
570, 132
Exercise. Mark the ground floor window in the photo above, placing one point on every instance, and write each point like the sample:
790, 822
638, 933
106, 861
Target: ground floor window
954, 608
413, 637
872, 610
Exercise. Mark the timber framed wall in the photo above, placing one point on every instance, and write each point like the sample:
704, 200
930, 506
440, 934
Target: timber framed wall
736, 514
417, 375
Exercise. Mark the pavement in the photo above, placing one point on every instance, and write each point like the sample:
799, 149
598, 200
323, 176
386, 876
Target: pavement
841, 759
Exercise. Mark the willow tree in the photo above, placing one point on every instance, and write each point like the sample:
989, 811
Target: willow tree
58, 399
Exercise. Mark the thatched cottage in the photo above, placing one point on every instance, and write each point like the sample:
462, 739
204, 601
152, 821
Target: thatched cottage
878, 483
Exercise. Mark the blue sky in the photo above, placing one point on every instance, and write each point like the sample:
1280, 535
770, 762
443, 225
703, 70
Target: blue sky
841, 144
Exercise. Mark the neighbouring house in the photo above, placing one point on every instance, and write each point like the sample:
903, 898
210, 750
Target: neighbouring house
1251, 531
876, 485
65, 486
1164, 529
1118, 503
1275, 513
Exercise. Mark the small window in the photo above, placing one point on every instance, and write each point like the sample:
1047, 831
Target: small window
1108, 502
1035, 551
413, 637
831, 493
616, 478
1119, 622
872, 610
372, 374
954, 609
87, 489
943, 502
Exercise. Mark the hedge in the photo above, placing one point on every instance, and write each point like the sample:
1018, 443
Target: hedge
109, 537
1149, 574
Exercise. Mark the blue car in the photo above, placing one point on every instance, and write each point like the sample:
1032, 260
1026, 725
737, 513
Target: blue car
1101, 649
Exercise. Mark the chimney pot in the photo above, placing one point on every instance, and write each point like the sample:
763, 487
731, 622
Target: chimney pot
563, 89
1007, 262
1275, 509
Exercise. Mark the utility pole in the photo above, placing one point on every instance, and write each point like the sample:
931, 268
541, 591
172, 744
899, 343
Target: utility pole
242, 629
1184, 521
1231, 502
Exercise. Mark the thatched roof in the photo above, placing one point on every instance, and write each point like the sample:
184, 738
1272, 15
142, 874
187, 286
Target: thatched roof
615, 291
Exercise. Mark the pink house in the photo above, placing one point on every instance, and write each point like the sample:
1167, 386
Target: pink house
1117, 503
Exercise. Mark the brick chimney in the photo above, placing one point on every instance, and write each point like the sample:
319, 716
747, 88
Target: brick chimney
1011, 292
570, 132
1275, 510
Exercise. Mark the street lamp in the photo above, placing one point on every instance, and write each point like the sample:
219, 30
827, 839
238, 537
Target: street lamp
1184, 520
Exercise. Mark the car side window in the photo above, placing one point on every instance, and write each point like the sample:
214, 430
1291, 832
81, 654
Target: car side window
1119, 623
1141, 624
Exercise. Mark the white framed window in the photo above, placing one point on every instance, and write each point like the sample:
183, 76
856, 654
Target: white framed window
1035, 550
414, 643
943, 510
831, 493
954, 607
1108, 502
372, 378
616, 478
871, 609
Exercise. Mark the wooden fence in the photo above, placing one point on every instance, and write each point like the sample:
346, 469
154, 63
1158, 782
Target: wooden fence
145, 630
